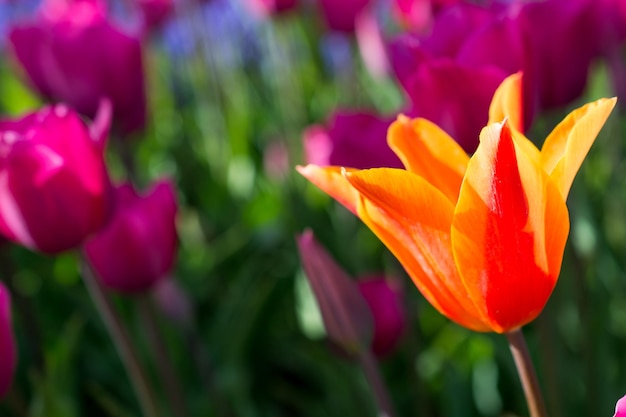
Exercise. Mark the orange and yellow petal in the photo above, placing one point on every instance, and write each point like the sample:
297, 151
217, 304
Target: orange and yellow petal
426, 150
509, 231
565, 148
332, 182
412, 218
507, 102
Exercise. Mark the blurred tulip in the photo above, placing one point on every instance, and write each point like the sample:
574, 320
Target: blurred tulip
346, 315
417, 15
276, 160
56, 191
155, 12
355, 139
266, 8
138, 246
173, 302
620, 408
482, 237
341, 15
8, 353
372, 45
558, 69
384, 299
71, 52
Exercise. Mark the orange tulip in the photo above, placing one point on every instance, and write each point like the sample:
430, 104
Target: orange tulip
482, 237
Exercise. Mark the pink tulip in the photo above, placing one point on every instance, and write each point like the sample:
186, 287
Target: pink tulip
137, 248
384, 299
54, 185
264, 8
8, 354
72, 52
620, 407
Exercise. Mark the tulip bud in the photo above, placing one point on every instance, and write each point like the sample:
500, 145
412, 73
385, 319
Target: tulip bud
72, 52
8, 355
385, 302
620, 407
53, 179
137, 248
345, 313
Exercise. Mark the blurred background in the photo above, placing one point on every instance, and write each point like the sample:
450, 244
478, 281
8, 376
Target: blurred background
239, 92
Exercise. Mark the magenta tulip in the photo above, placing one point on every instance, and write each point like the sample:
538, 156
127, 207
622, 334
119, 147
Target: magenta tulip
341, 15
8, 353
72, 52
53, 179
138, 246
384, 299
155, 13
354, 139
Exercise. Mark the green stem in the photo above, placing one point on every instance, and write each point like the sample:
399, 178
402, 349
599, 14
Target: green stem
122, 342
527, 375
375, 381
164, 366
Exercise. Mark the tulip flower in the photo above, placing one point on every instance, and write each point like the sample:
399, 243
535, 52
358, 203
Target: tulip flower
155, 12
482, 237
346, 316
72, 52
384, 298
345, 312
55, 188
8, 354
341, 16
137, 248
620, 408
355, 139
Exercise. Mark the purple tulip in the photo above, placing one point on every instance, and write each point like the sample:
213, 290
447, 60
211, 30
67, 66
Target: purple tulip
71, 52
341, 15
384, 299
352, 139
561, 47
8, 353
138, 246
53, 179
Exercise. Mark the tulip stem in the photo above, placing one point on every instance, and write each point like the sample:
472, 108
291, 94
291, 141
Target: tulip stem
527, 375
375, 381
164, 366
122, 342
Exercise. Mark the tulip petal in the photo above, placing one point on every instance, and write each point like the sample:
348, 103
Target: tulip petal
509, 231
507, 102
428, 151
331, 181
417, 231
565, 148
